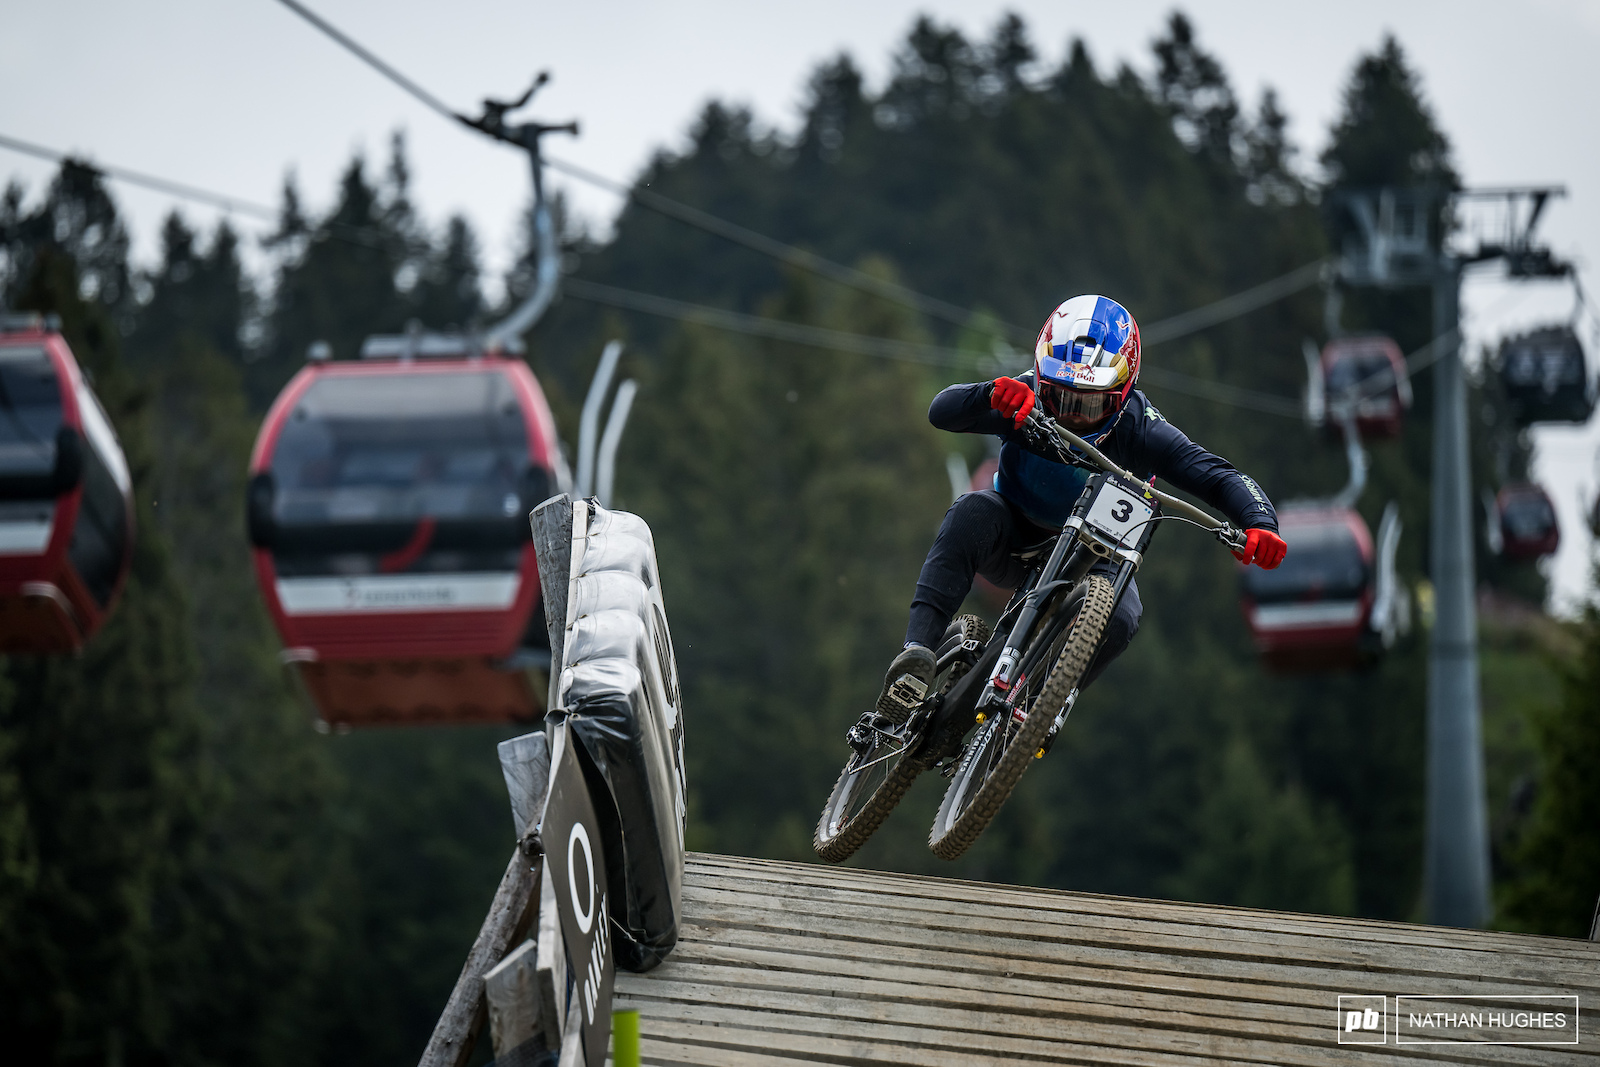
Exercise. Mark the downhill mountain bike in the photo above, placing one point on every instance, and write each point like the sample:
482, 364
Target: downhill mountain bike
1016, 684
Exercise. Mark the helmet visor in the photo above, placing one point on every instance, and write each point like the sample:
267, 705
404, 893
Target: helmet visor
1079, 407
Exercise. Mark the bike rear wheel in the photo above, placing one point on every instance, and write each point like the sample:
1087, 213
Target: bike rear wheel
873, 782
1003, 748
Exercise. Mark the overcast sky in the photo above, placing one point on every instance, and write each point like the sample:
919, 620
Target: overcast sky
233, 95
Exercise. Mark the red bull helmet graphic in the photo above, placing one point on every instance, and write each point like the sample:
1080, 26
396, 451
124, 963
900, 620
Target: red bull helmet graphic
1086, 361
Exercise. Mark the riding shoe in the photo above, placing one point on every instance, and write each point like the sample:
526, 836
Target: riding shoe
900, 697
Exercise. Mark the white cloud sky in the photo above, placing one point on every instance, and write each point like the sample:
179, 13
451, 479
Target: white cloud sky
233, 96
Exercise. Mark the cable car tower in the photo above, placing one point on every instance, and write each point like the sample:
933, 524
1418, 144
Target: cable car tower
1397, 241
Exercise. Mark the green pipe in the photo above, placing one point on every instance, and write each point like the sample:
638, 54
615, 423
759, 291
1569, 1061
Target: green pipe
625, 1038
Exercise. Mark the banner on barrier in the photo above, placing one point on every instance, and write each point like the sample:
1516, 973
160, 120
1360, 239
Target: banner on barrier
574, 857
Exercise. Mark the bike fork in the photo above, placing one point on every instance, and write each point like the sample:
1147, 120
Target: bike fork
1061, 720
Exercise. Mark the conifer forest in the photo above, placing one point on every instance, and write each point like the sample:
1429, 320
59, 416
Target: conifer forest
191, 874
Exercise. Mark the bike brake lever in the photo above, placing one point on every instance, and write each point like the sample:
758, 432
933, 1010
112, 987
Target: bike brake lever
1233, 538
1043, 432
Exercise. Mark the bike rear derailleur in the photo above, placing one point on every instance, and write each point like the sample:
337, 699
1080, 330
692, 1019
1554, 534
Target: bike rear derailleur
863, 736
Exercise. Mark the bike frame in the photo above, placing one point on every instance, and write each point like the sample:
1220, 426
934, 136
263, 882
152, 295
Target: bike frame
1077, 549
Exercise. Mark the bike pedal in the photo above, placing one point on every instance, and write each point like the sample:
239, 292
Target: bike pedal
907, 691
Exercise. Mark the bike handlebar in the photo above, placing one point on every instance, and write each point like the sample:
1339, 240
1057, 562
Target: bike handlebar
1225, 532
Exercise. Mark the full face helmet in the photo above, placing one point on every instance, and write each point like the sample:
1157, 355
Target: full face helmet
1086, 361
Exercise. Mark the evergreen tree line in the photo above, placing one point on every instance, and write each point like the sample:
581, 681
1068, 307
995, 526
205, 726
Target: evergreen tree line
190, 874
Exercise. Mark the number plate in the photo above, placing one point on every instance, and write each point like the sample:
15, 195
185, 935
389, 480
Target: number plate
1119, 513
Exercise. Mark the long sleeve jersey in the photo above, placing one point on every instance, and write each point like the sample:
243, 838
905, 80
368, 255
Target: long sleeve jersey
1139, 438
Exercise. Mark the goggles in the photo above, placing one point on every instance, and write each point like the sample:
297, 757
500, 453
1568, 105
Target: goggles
1080, 407
1080, 393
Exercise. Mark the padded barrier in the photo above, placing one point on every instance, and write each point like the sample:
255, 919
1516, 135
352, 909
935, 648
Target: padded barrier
615, 681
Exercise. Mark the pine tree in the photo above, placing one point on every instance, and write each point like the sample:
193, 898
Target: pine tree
257, 887
1387, 134
792, 492
448, 293
337, 278
1554, 883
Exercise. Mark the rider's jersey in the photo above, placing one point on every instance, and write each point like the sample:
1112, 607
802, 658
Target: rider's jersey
1139, 439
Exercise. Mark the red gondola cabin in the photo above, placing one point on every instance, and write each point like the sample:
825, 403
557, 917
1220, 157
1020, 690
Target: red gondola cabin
389, 503
66, 500
1366, 377
1314, 612
1528, 526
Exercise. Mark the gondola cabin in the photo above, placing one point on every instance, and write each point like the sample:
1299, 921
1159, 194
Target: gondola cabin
66, 500
1366, 378
1528, 526
388, 509
1314, 612
1546, 378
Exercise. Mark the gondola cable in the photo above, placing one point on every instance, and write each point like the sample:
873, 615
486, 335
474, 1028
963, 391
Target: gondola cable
1168, 329
737, 322
888, 348
149, 181
834, 340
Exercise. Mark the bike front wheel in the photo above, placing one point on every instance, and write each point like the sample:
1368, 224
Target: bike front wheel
1005, 743
873, 781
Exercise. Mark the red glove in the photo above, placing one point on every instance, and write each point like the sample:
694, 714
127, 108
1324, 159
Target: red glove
1012, 399
1263, 548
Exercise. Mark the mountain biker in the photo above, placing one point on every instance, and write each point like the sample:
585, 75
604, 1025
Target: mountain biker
1086, 364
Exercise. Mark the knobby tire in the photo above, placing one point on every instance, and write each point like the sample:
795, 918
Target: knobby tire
960, 819
836, 843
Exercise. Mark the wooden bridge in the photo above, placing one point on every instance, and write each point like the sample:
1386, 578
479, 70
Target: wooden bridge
785, 963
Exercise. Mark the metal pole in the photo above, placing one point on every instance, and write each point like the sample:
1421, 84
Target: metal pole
606, 468
1456, 864
589, 421
955, 465
507, 334
1355, 456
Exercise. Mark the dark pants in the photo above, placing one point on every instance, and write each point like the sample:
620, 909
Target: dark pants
983, 533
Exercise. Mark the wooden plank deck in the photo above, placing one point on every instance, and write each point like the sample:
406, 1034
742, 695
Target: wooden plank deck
787, 963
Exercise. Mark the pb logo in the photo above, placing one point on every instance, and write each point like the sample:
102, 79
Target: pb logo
1363, 1020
